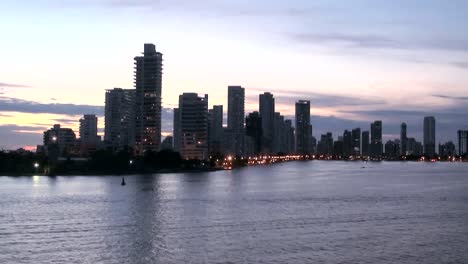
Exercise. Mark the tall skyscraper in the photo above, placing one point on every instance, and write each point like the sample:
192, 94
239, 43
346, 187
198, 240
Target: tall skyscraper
429, 136
254, 133
216, 129
347, 144
278, 134
462, 142
119, 129
290, 137
403, 140
365, 144
303, 127
376, 145
356, 139
236, 101
267, 113
193, 122
148, 85
89, 139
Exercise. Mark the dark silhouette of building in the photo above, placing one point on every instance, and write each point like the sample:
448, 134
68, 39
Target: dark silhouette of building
403, 139
347, 144
376, 146
462, 142
119, 128
289, 136
193, 126
303, 127
414, 147
59, 141
236, 101
325, 145
365, 144
429, 136
89, 139
267, 113
338, 149
447, 149
176, 130
167, 143
254, 132
392, 149
215, 134
356, 142
148, 85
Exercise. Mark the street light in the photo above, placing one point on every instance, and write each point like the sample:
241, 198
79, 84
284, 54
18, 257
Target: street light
36, 165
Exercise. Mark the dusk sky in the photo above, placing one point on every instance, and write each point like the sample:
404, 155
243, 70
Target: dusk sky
357, 61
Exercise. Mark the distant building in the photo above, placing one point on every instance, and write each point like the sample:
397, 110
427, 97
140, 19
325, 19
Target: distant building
347, 144
267, 113
89, 139
289, 137
148, 85
447, 149
193, 123
215, 134
414, 147
392, 149
376, 146
356, 142
59, 141
236, 105
313, 145
325, 145
167, 143
254, 133
403, 140
365, 144
462, 142
176, 130
303, 127
429, 135
338, 149
119, 119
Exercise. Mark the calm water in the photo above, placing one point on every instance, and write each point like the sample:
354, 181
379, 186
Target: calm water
302, 212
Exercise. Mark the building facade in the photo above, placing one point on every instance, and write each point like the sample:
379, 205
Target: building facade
462, 142
119, 118
236, 115
429, 135
303, 127
376, 145
267, 113
148, 85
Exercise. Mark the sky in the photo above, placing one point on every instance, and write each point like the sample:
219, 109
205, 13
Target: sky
356, 61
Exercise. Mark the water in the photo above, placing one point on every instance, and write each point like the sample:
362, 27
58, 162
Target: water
301, 212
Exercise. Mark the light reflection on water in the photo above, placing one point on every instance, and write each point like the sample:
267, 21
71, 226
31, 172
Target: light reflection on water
301, 212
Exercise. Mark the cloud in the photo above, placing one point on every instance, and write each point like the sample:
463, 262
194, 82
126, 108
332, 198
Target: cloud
316, 99
451, 97
460, 64
376, 41
10, 104
12, 85
12, 139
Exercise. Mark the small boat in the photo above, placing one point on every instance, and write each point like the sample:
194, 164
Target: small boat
123, 182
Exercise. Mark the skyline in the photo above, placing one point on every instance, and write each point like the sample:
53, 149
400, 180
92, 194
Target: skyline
347, 70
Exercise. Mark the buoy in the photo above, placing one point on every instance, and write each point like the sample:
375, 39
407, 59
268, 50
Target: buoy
123, 182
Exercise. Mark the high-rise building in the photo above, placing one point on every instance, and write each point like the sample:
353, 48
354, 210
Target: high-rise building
254, 133
236, 105
279, 135
119, 129
347, 144
376, 145
403, 140
414, 147
448, 149
325, 145
289, 136
356, 142
429, 136
59, 141
176, 130
267, 113
216, 129
462, 142
167, 143
303, 127
148, 85
89, 139
193, 122
365, 144
392, 149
